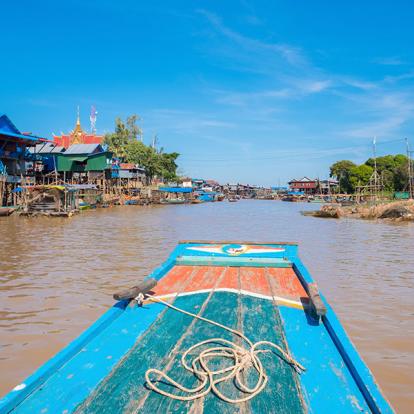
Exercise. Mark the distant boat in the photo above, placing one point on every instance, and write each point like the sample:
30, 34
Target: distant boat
290, 198
173, 201
265, 324
196, 201
233, 199
316, 200
6, 211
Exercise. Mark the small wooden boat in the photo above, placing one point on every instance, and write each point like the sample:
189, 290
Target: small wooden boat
214, 306
6, 211
173, 201
292, 199
83, 205
197, 201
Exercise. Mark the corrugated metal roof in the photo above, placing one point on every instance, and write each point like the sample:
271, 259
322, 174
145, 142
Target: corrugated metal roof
46, 148
83, 149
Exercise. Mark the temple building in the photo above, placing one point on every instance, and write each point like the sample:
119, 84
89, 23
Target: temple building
77, 136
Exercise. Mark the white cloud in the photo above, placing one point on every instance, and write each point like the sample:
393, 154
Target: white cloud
291, 54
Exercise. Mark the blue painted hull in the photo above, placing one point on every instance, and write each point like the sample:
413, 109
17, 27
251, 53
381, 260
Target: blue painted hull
102, 370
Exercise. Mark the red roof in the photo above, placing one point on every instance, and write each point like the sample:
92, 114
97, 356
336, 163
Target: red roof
127, 166
67, 140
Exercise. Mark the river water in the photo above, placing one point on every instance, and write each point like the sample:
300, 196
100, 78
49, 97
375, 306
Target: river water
57, 275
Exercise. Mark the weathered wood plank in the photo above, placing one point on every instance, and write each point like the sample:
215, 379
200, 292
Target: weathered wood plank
174, 280
222, 307
235, 242
235, 261
282, 394
254, 280
144, 287
316, 300
123, 389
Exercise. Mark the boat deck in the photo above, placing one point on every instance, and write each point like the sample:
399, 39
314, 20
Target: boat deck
265, 299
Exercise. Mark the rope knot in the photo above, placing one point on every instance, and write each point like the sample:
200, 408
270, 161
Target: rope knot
243, 359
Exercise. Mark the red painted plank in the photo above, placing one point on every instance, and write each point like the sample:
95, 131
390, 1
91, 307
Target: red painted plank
175, 280
285, 283
253, 279
230, 279
204, 277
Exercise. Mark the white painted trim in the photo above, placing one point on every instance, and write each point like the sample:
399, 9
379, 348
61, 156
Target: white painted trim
278, 299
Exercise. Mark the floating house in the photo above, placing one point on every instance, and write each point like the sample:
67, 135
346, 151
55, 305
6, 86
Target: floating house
50, 200
44, 157
313, 186
305, 185
14, 155
175, 195
129, 172
198, 183
88, 159
328, 186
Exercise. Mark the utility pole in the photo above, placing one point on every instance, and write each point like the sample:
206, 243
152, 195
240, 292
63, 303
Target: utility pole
375, 167
409, 170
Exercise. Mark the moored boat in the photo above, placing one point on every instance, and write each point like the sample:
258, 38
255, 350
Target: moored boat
6, 211
197, 201
214, 306
173, 201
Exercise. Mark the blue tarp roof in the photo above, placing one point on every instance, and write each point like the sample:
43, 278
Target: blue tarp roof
9, 129
176, 189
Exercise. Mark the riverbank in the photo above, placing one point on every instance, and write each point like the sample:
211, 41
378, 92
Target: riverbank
396, 211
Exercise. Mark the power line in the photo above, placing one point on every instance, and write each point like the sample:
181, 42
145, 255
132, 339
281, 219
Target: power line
291, 154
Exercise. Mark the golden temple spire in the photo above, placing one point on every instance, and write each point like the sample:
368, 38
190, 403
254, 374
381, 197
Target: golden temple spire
77, 133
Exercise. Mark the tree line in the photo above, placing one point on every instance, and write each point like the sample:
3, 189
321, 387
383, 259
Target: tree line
392, 170
125, 144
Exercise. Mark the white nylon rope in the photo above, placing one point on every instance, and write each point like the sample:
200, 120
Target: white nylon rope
243, 360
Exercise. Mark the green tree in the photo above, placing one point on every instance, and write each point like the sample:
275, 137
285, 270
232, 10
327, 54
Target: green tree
134, 131
168, 165
360, 175
401, 173
118, 140
125, 145
392, 169
341, 171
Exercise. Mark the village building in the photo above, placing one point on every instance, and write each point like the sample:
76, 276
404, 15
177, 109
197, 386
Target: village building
310, 186
304, 185
14, 155
328, 186
43, 160
84, 162
129, 174
186, 182
77, 136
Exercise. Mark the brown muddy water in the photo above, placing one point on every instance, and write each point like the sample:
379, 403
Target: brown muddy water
58, 275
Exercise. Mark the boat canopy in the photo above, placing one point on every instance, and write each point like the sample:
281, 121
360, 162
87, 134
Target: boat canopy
176, 189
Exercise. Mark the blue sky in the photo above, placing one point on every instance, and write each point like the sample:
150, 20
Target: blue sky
246, 91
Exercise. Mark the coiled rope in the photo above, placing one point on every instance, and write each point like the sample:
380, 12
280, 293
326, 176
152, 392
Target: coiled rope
244, 359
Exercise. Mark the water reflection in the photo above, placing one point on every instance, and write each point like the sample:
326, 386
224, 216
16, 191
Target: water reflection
58, 275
